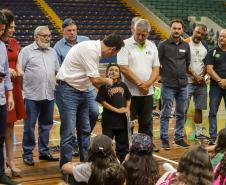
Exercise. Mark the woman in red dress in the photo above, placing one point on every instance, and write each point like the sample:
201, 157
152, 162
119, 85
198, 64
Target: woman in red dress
16, 73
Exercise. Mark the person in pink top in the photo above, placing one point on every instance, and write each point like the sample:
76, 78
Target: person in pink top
220, 172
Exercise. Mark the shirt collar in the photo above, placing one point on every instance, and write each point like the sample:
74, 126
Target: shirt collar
171, 41
66, 42
36, 47
137, 44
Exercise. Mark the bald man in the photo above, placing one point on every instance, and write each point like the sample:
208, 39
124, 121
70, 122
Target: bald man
216, 68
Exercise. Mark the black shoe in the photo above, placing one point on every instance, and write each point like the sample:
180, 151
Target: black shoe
29, 161
181, 143
212, 141
75, 151
154, 148
6, 180
165, 145
48, 158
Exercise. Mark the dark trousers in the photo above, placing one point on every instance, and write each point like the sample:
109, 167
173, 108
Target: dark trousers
121, 139
2, 136
141, 108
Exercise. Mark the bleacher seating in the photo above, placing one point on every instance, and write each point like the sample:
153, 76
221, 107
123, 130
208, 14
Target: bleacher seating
28, 17
167, 10
97, 18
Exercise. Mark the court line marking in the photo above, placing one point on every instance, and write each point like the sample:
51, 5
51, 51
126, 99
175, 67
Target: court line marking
165, 159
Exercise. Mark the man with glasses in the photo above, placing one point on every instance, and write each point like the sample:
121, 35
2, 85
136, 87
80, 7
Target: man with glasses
40, 64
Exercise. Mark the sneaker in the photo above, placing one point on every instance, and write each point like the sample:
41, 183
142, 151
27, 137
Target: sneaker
154, 148
202, 137
181, 143
6, 180
212, 141
165, 145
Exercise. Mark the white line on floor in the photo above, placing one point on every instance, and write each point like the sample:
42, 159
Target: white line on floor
165, 159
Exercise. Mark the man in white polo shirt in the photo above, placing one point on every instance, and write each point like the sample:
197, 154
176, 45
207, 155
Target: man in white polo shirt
139, 64
78, 71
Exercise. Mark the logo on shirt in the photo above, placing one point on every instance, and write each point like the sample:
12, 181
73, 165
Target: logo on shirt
115, 90
217, 55
148, 52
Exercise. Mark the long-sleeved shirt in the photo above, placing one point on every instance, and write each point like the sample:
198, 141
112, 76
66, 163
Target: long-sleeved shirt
39, 66
6, 84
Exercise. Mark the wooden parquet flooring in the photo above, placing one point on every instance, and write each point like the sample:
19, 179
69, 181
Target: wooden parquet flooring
47, 173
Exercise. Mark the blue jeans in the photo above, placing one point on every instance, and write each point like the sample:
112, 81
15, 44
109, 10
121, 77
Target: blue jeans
168, 95
74, 113
93, 112
93, 108
215, 95
43, 111
2, 136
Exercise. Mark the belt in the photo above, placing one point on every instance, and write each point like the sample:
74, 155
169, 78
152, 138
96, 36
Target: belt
61, 82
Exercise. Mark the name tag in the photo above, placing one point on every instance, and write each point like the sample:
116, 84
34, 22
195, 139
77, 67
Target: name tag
182, 50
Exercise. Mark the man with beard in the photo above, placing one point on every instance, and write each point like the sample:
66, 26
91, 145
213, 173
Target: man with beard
40, 64
216, 68
196, 82
70, 38
174, 56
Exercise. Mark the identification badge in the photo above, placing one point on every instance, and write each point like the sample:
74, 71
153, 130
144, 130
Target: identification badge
182, 50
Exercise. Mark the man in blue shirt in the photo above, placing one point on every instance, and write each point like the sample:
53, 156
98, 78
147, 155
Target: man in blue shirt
5, 88
70, 38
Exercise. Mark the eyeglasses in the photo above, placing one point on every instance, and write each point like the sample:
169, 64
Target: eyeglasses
45, 36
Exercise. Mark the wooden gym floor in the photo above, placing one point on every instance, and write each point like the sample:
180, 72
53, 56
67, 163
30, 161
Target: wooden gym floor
47, 173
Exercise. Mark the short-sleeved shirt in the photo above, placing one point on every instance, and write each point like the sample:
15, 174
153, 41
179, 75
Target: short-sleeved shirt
198, 54
140, 61
82, 172
62, 47
174, 60
39, 66
6, 84
117, 96
217, 58
81, 62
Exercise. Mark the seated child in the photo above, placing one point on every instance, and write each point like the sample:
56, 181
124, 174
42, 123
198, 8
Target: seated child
101, 155
140, 165
220, 172
219, 149
194, 168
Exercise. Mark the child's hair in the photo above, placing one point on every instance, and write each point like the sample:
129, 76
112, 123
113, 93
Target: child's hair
221, 170
100, 154
221, 144
115, 174
113, 64
141, 166
195, 167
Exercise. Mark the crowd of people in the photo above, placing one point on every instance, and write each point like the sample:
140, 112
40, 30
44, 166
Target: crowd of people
68, 74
